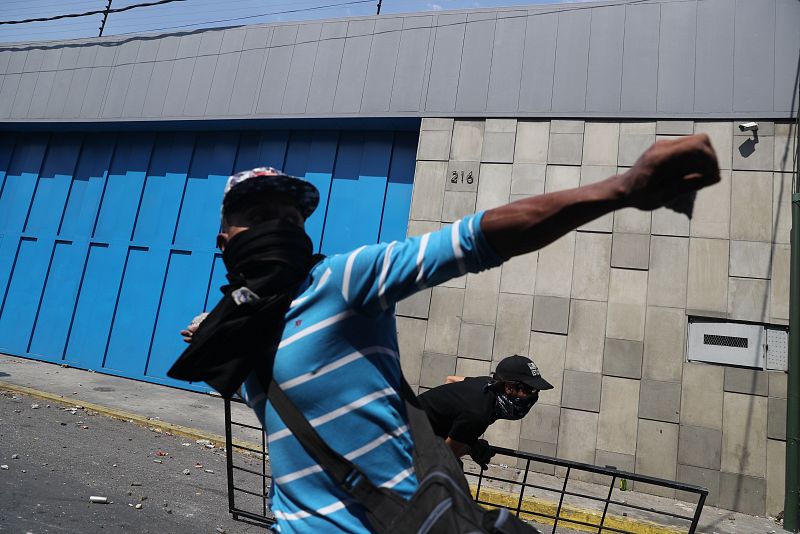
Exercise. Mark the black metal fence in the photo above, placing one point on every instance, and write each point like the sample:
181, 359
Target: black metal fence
531, 495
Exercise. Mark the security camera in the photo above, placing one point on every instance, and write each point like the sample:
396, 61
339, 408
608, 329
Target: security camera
749, 126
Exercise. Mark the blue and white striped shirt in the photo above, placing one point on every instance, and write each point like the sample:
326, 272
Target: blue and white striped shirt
338, 361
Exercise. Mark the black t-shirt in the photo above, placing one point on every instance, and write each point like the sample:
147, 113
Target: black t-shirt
461, 410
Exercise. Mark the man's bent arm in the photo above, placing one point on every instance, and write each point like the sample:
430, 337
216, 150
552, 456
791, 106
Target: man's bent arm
665, 171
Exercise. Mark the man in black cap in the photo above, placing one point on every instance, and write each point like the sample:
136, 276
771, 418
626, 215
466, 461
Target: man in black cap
461, 410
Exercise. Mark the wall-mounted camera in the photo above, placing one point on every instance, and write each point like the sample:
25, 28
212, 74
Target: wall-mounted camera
748, 126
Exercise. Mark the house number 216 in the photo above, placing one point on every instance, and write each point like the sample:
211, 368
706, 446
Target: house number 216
459, 178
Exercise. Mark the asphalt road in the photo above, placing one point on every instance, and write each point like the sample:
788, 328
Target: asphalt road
63, 458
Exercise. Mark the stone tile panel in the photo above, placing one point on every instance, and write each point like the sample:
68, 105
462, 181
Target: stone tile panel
626, 304
591, 266
601, 143
548, 351
750, 259
411, 341
591, 174
776, 476
669, 262
618, 421
565, 149
467, 141
700, 447
706, 478
467, 367
742, 493
776, 419
754, 154
444, 322
494, 186
721, 135
428, 192
623, 358
532, 141
747, 381
518, 275
541, 424
476, 341
581, 391
436, 368
664, 344
712, 210
527, 178
512, 333
554, 269
707, 285
630, 251
748, 299
744, 433
779, 283
656, 454
480, 302
586, 336
701, 395
660, 401
751, 206
434, 145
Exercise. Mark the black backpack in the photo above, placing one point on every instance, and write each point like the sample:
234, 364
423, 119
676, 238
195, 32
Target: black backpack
442, 503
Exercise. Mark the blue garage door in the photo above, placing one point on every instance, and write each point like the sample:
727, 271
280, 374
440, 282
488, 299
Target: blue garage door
107, 239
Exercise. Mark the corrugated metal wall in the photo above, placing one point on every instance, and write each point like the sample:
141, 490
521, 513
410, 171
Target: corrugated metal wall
107, 239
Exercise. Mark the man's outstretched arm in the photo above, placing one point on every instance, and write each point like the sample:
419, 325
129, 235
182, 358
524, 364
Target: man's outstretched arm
664, 172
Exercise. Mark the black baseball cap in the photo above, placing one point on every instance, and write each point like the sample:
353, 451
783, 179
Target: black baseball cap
521, 369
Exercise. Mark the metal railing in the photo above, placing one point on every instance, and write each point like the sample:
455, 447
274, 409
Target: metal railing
528, 509
521, 501
258, 511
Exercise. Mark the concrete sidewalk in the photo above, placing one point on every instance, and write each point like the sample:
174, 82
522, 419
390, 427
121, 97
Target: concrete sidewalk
201, 416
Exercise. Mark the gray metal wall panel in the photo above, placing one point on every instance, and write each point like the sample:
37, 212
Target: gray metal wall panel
538, 65
326, 75
51, 59
409, 73
308, 33
77, 91
754, 55
359, 27
117, 90
298, 82
137, 90
350, 86
211, 42
676, 56
273, 83
33, 61
157, 89
787, 54
693, 58
382, 62
222, 85
505, 76
248, 77
284, 36
178, 91
334, 30
95, 92
168, 48
257, 37
58, 93
640, 58
148, 50
713, 82
69, 58
41, 94
5, 58
17, 62
604, 75
476, 63
572, 60
232, 40
127, 52
7, 93
448, 43
105, 56
22, 100
200, 86
188, 45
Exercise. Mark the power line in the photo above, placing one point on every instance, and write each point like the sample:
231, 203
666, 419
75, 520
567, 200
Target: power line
341, 4
88, 13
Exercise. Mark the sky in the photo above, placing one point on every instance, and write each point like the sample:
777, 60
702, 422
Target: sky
193, 14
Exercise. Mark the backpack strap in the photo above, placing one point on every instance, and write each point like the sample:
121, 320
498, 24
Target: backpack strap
381, 504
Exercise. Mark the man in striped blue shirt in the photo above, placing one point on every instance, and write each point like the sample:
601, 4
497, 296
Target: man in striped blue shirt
338, 357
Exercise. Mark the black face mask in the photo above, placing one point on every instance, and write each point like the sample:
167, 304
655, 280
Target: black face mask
513, 408
266, 265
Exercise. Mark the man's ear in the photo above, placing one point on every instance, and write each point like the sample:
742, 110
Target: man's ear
222, 240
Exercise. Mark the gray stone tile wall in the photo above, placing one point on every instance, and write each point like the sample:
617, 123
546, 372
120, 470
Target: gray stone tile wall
603, 310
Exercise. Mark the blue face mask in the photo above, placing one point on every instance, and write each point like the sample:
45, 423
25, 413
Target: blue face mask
513, 408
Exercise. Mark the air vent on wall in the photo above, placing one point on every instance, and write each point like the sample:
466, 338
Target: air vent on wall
725, 341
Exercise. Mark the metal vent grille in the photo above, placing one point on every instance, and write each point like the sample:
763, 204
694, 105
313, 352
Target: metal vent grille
725, 341
777, 349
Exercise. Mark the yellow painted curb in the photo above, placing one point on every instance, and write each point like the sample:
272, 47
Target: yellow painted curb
540, 506
159, 426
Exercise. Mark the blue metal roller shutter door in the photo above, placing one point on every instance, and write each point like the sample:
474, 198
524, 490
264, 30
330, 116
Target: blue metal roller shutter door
107, 240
